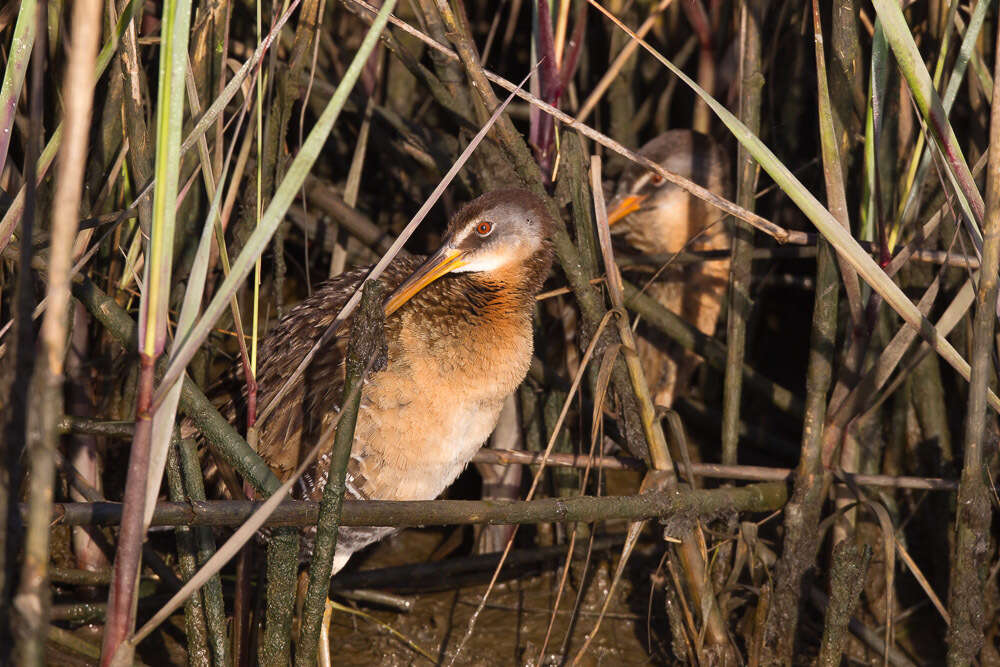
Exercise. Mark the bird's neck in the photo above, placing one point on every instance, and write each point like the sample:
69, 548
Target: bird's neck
508, 287
475, 328
489, 297
466, 307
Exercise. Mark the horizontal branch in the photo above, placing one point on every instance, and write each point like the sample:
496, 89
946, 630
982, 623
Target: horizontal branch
519, 457
658, 505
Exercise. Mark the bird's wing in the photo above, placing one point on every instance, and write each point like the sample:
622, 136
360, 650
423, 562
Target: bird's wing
317, 391
298, 419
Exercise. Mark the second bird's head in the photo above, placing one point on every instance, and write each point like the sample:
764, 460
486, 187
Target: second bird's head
504, 233
643, 196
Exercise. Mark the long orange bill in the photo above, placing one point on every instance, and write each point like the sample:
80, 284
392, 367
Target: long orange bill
444, 261
622, 206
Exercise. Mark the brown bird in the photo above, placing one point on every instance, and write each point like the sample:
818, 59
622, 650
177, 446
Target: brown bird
459, 337
658, 217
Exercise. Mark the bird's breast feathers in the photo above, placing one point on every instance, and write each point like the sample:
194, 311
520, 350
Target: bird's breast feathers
420, 424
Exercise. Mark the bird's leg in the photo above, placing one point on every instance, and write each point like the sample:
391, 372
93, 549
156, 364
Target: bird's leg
324, 657
501, 481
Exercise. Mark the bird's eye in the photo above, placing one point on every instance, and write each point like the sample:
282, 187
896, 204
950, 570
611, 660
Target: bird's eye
655, 178
484, 228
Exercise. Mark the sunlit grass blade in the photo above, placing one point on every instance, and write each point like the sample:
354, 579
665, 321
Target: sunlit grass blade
385, 627
146, 463
13, 75
163, 421
918, 156
871, 207
169, 133
965, 51
900, 40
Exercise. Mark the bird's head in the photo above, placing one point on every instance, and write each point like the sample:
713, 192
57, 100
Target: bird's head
640, 191
503, 233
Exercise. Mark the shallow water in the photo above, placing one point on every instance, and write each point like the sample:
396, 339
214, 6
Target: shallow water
512, 627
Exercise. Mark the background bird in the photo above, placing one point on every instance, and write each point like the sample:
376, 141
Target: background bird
658, 217
459, 338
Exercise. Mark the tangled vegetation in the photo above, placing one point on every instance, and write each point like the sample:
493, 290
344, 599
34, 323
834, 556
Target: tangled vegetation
804, 475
